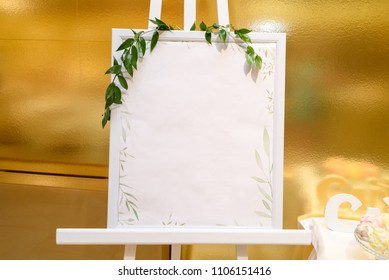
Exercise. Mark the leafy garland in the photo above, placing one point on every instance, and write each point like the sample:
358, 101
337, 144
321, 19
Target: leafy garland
135, 48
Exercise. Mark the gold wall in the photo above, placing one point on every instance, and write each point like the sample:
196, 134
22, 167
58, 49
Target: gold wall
54, 153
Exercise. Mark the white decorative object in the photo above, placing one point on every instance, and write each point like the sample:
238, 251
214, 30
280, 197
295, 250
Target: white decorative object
331, 212
372, 233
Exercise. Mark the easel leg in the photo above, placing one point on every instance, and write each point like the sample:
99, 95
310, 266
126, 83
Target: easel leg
242, 252
175, 253
129, 252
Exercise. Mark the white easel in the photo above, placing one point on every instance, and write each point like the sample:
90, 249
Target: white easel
189, 19
130, 237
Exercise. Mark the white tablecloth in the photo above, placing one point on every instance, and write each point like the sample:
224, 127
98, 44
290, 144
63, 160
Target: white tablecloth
331, 245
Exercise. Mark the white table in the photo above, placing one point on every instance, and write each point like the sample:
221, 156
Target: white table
332, 245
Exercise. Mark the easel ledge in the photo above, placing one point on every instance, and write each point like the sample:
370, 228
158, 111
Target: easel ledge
131, 237
161, 236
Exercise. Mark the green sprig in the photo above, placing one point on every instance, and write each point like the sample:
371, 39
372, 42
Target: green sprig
222, 31
134, 48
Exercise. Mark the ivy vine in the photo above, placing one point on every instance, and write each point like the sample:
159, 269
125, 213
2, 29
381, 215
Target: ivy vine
135, 48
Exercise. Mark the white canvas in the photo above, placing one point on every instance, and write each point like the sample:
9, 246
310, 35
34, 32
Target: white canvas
196, 138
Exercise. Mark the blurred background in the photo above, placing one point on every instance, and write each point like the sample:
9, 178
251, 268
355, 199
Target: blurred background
54, 152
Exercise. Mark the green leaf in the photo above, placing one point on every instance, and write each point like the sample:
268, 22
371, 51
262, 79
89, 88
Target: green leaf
134, 57
134, 51
109, 102
115, 62
164, 27
244, 30
266, 142
243, 36
117, 95
128, 66
250, 50
222, 34
153, 21
160, 22
161, 25
193, 28
109, 95
203, 26
216, 26
258, 62
106, 117
126, 44
125, 54
250, 59
208, 36
154, 40
123, 82
133, 61
116, 69
138, 48
109, 91
142, 44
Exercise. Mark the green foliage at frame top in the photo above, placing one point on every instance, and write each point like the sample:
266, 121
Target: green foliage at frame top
134, 48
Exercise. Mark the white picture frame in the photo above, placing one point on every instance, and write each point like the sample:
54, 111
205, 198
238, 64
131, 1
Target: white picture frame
183, 40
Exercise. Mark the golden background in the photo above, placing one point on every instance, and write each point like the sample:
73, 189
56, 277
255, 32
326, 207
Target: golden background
54, 153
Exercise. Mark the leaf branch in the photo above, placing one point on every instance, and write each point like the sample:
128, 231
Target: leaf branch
221, 31
132, 49
135, 47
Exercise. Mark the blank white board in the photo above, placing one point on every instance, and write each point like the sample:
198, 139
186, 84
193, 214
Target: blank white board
198, 140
